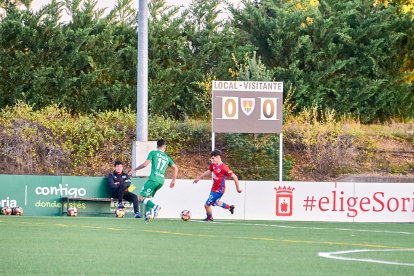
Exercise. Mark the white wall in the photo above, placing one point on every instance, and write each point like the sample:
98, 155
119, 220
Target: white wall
348, 202
186, 195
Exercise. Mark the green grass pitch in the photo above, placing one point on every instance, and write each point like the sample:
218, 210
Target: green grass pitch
110, 246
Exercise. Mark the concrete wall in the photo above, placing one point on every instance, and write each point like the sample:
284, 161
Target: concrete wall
376, 179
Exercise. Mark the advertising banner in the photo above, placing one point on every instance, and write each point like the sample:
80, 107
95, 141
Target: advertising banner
296, 201
260, 200
41, 195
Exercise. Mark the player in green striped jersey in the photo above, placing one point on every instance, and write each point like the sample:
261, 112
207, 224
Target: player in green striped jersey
160, 161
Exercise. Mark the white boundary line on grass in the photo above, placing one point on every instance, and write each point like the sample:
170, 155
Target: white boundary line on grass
332, 255
312, 228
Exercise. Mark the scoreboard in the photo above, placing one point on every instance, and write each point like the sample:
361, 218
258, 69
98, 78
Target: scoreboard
247, 107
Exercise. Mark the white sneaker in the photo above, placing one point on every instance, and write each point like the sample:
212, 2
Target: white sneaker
156, 210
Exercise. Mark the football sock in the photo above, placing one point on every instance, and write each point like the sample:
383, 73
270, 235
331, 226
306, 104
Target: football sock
149, 204
209, 215
225, 206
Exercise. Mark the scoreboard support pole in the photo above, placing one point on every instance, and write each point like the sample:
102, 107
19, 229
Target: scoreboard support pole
213, 146
280, 157
228, 97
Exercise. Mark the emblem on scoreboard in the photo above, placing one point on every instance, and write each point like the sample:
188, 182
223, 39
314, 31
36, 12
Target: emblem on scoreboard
247, 105
284, 201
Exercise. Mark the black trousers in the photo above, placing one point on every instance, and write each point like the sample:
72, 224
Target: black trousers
121, 193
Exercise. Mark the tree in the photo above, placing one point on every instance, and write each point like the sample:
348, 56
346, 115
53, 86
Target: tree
255, 155
87, 64
168, 69
100, 59
29, 45
342, 55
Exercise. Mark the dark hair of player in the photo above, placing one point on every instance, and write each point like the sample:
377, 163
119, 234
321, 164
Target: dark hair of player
161, 143
215, 153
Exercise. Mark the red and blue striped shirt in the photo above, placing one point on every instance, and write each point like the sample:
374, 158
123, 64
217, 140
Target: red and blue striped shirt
220, 171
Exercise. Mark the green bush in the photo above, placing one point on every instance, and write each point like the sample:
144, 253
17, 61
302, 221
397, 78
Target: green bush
255, 156
53, 141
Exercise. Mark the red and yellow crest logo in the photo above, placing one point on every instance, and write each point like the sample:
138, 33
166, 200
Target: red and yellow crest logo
247, 105
284, 201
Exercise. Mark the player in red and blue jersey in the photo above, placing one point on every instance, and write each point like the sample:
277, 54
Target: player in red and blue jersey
220, 172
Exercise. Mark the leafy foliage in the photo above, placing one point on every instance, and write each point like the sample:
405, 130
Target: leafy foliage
347, 56
354, 57
85, 65
252, 155
54, 141
256, 156
331, 151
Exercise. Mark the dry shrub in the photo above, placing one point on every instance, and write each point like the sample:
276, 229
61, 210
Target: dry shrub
330, 151
52, 141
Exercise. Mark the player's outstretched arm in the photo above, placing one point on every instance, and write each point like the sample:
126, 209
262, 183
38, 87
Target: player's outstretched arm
143, 165
201, 176
236, 181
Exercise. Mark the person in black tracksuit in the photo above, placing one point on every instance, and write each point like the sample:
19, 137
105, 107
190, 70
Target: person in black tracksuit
119, 182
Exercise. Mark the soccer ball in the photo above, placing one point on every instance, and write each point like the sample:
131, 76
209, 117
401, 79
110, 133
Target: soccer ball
72, 212
18, 211
6, 210
185, 215
119, 213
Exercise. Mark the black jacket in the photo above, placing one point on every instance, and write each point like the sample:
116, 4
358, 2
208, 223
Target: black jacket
118, 180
